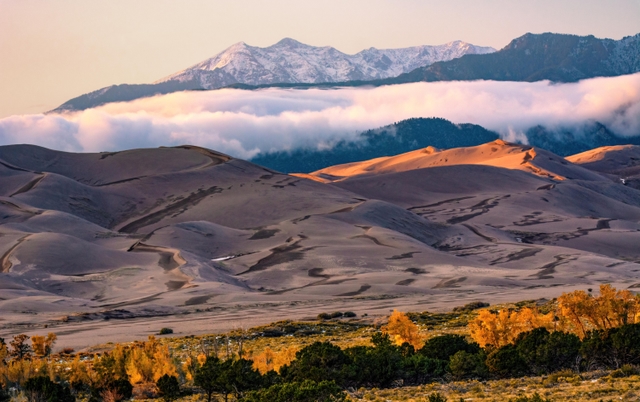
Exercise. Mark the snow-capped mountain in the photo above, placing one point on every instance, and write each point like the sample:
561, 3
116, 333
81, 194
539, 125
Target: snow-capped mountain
290, 61
286, 62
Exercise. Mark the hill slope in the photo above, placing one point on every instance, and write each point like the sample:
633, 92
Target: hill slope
535, 57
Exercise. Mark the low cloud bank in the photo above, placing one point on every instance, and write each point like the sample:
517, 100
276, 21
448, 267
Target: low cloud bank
244, 123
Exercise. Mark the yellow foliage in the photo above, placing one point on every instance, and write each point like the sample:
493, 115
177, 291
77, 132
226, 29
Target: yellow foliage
402, 330
78, 372
504, 327
613, 308
202, 358
189, 368
4, 353
41, 345
163, 363
19, 371
286, 357
150, 361
37, 344
139, 367
269, 360
265, 361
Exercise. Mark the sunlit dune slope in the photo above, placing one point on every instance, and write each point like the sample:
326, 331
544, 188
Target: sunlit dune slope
497, 153
615, 159
622, 161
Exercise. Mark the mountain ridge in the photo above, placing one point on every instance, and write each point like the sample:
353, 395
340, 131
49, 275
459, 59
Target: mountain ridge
512, 63
290, 61
536, 57
287, 61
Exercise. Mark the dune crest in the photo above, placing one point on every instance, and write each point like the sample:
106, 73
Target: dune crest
498, 153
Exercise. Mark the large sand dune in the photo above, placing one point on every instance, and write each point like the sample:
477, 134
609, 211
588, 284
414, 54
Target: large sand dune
193, 239
621, 161
498, 154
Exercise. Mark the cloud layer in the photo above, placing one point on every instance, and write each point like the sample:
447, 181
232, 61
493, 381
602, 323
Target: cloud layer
243, 123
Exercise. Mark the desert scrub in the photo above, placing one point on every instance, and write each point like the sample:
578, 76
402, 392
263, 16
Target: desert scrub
591, 390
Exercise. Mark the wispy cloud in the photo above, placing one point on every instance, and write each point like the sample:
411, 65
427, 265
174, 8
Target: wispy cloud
243, 123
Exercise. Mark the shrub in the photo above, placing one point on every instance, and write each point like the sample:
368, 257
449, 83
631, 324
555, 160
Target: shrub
445, 346
336, 314
626, 344
165, 331
115, 390
554, 378
624, 371
436, 397
208, 377
350, 314
19, 348
470, 307
67, 351
545, 352
324, 316
306, 391
4, 395
468, 365
169, 387
226, 377
506, 362
534, 398
597, 351
378, 366
320, 361
43, 389
240, 376
419, 369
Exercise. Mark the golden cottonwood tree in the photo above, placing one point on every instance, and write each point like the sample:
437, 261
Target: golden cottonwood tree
79, 372
150, 361
612, 308
270, 360
265, 361
402, 329
41, 345
502, 328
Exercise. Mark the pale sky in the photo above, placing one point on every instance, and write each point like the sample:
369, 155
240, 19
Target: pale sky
54, 50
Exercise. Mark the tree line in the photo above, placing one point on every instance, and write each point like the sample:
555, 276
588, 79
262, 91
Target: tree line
581, 332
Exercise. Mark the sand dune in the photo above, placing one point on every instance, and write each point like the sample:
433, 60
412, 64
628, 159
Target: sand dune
186, 235
498, 154
622, 162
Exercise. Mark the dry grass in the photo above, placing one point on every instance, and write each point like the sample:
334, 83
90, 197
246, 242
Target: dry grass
585, 387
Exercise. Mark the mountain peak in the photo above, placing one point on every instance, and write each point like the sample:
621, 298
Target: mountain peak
288, 42
290, 61
238, 45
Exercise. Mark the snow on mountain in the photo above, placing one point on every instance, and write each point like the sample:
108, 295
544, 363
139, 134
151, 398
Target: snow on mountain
625, 54
290, 61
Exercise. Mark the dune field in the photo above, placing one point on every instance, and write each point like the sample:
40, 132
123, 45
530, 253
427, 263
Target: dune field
113, 246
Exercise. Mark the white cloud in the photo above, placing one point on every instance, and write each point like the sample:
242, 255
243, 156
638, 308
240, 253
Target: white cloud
242, 123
